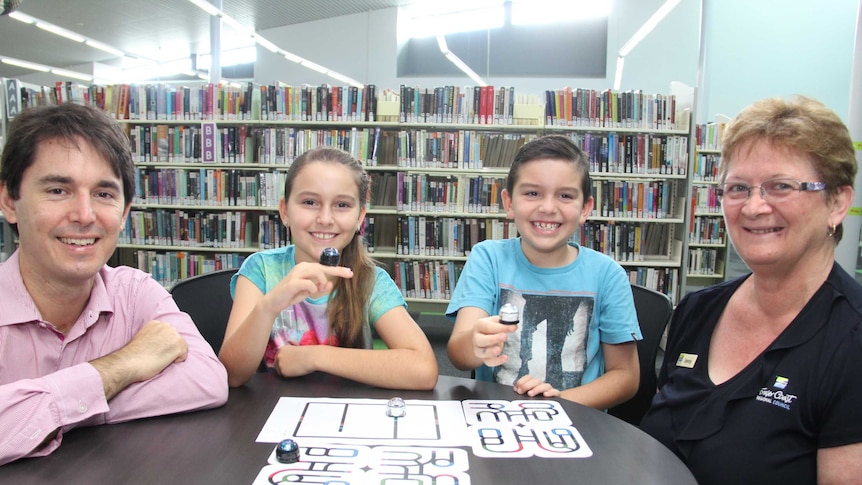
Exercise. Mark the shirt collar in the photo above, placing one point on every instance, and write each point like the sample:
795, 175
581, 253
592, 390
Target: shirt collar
19, 307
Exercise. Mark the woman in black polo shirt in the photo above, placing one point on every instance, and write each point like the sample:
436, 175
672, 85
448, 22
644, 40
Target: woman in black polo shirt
761, 379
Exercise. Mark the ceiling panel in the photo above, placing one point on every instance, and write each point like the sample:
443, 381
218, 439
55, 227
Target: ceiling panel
151, 28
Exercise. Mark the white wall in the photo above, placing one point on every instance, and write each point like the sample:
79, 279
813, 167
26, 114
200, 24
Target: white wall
364, 47
753, 49
763, 48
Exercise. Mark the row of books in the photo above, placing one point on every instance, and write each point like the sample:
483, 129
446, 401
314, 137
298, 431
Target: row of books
458, 149
705, 167
642, 153
181, 228
708, 135
208, 143
610, 109
486, 105
706, 230
665, 280
425, 236
216, 187
170, 267
274, 102
625, 241
449, 193
622, 198
608, 152
611, 152
482, 105
705, 261
211, 187
427, 279
704, 200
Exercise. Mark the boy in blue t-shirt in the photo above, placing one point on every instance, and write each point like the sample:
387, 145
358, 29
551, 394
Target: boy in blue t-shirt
578, 326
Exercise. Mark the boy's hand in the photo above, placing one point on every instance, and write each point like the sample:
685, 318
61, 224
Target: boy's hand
489, 336
532, 387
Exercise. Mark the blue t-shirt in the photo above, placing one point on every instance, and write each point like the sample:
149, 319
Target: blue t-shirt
566, 312
310, 325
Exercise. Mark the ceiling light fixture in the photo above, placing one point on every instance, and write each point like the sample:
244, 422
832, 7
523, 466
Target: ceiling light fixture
454, 59
72, 74
25, 64
22, 17
43, 68
59, 31
232, 22
642, 32
104, 47
74, 36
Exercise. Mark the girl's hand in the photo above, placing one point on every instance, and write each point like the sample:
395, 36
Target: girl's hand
303, 281
294, 361
532, 387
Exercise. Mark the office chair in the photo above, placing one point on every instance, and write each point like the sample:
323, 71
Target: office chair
206, 298
654, 310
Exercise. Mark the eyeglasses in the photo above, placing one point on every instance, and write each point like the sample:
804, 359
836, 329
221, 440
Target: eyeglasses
773, 190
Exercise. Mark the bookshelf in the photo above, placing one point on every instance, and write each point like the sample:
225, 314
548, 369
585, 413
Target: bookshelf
7, 88
211, 160
707, 244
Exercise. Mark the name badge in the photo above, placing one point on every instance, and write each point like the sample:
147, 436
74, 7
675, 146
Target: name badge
686, 360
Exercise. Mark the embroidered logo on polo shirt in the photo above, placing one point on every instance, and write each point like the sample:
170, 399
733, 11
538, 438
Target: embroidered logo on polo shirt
777, 397
686, 360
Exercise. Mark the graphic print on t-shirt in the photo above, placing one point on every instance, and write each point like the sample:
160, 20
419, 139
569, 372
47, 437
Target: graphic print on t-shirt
551, 340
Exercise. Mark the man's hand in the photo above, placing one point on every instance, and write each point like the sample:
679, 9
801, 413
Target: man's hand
156, 346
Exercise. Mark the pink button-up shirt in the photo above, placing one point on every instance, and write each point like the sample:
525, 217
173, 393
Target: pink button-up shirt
46, 381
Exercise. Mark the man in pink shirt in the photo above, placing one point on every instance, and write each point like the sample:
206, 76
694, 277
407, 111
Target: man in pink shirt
82, 343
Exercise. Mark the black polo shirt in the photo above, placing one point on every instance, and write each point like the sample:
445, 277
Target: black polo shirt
765, 424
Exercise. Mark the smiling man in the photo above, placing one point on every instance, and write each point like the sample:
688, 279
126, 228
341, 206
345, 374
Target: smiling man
82, 343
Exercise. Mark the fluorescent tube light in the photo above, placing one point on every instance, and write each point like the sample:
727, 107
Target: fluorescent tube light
22, 17
618, 77
104, 47
265, 43
461, 65
292, 57
72, 74
648, 26
313, 66
642, 32
207, 7
24, 64
59, 31
341, 77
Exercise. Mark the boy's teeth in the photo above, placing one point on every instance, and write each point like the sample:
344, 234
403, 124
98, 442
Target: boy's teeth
545, 225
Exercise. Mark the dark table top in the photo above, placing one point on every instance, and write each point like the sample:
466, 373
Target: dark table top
218, 446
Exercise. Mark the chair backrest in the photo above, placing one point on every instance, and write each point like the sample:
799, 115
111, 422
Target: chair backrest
206, 298
654, 310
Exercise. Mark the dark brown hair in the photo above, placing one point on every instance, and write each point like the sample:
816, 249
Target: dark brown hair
72, 123
556, 147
